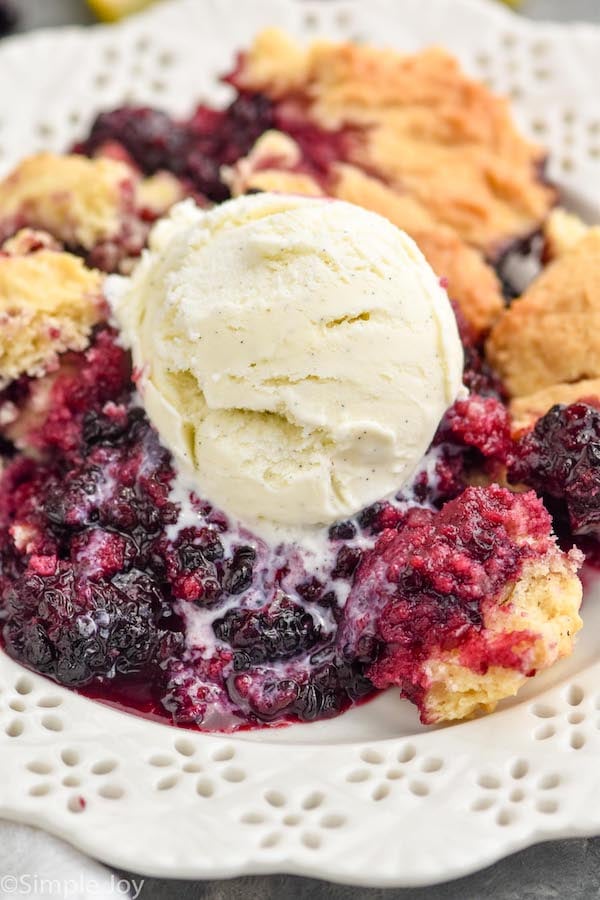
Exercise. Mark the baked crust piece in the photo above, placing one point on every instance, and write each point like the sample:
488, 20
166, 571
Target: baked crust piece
525, 411
28, 240
49, 302
80, 201
562, 231
275, 164
158, 193
551, 335
422, 126
545, 601
466, 603
100, 207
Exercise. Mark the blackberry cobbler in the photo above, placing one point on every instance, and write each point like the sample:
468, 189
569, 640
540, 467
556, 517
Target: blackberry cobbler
120, 575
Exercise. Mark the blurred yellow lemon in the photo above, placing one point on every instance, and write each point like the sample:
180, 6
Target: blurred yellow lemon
112, 10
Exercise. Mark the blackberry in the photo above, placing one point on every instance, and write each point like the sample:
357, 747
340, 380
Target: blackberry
150, 136
326, 692
194, 150
303, 693
560, 458
194, 691
342, 531
278, 631
346, 562
71, 501
311, 590
238, 571
479, 422
378, 517
76, 631
99, 427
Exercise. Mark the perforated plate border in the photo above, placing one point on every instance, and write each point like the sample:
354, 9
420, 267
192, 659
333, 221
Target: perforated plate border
404, 811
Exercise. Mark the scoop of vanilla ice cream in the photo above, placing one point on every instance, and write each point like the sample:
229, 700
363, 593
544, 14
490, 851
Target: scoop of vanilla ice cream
296, 354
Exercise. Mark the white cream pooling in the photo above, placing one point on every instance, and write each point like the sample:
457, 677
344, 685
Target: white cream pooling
308, 552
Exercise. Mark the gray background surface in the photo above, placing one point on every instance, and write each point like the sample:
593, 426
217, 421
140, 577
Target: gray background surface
562, 870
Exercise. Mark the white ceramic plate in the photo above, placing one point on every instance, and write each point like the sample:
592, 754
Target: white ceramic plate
371, 797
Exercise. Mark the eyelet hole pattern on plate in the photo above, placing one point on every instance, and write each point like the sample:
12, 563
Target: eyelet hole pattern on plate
566, 720
40, 790
52, 723
233, 774
186, 763
24, 700
104, 767
297, 819
152, 70
224, 754
76, 804
205, 788
291, 820
161, 760
111, 791
24, 685
185, 747
516, 793
74, 769
15, 728
520, 68
275, 798
49, 702
71, 781
405, 767
70, 757
39, 767
168, 782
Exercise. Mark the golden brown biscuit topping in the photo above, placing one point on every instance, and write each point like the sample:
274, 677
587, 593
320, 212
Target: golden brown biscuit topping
547, 596
471, 283
28, 240
551, 334
274, 164
158, 193
425, 128
80, 201
562, 231
49, 302
525, 411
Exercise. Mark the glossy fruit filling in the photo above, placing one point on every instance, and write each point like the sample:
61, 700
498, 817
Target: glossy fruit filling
119, 581
560, 458
195, 149
199, 150
425, 587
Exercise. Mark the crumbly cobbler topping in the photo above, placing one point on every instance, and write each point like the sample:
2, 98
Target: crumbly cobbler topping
550, 335
420, 123
276, 163
49, 302
79, 201
114, 579
108, 585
